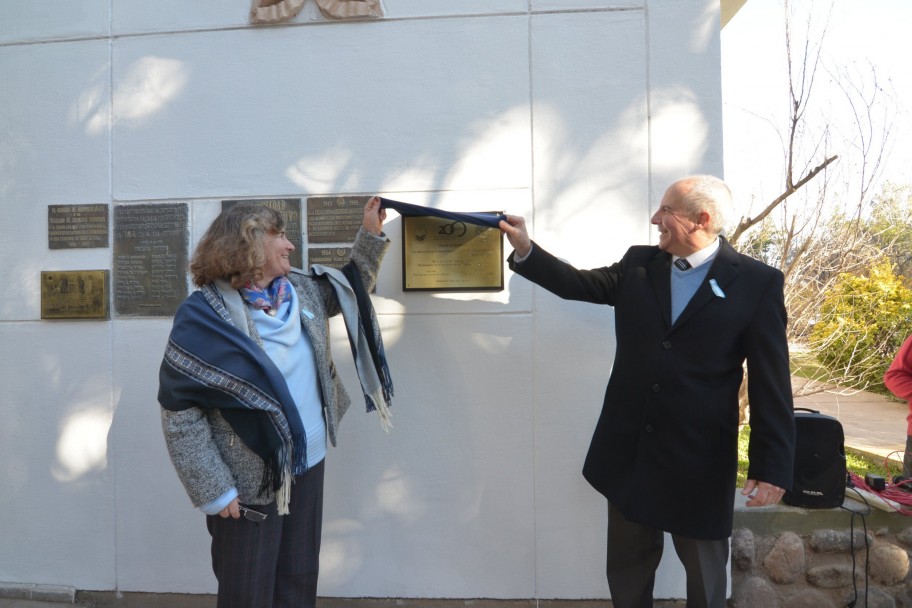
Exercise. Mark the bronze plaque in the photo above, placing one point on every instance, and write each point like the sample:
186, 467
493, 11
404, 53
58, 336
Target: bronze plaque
290, 208
74, 294
334, 257
334, 219
77, 226
150, 258
447, 255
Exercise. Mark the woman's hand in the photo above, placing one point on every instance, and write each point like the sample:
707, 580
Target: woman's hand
374, 216
232, 510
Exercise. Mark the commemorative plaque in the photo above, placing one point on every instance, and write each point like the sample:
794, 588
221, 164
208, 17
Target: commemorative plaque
290, 208
150, 258
77, 226
334, 257
446, 255
74, 294
334, 219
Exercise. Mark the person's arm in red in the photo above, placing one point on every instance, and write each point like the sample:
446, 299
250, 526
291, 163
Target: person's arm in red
898, 378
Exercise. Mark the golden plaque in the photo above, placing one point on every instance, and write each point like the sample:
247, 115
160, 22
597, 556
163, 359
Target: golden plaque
74, 294
446, 255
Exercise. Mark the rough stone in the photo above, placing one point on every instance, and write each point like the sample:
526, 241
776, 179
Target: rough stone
889, 564
785, 562
905, 537
755, 592
838, 541
743, 549
809, 598
830, 576
903, 597
878, 574
876, 598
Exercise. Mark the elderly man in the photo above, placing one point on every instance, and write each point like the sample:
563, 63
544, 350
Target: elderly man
688, 313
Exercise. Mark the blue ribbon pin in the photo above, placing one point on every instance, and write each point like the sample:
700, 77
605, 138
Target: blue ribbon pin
716, 289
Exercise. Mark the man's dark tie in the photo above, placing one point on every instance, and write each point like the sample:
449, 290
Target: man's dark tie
682, 264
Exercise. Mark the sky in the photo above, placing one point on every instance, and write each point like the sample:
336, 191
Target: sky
860, 34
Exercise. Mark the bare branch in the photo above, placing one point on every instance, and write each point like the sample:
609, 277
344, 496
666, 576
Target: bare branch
815, 229
748, 223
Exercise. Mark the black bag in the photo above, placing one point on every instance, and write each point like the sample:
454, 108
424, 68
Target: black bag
820, 463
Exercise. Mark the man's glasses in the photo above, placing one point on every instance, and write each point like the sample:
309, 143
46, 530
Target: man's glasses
250, 514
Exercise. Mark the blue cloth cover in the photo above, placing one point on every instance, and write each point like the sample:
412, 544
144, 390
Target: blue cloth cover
491, 220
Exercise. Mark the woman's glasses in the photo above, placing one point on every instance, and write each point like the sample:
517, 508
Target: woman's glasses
250, 514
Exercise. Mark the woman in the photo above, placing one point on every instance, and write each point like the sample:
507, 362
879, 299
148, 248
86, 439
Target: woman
898, 379
249, 393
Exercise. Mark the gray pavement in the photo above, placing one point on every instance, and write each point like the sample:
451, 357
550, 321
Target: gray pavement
160, 601
873, 425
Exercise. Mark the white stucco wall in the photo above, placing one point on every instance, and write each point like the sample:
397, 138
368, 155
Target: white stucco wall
574, 113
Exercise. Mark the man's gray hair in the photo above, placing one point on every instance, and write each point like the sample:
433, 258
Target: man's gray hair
710, 194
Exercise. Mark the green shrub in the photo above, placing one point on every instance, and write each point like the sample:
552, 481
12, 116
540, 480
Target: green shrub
862, 323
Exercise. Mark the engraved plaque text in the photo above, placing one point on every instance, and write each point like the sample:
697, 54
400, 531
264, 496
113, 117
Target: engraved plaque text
77, 226
150, 258
445, 255
74, 294
334, 257
334, 219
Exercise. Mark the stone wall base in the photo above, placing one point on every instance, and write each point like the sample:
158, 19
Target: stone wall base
787, 557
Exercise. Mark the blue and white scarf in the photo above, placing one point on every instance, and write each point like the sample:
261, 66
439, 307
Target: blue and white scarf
363, 337
211, 364
270, 298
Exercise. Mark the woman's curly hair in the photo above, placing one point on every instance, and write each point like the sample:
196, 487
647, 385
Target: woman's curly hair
232, 248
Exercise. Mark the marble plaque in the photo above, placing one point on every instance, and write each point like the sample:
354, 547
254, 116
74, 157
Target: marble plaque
150, 258
77, 226
290, 208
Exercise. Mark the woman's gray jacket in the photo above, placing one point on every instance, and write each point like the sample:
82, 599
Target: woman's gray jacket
209, 457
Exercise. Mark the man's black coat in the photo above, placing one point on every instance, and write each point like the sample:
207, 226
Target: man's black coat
664, 450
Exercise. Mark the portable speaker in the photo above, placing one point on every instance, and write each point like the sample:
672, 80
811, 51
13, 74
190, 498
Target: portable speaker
820, 463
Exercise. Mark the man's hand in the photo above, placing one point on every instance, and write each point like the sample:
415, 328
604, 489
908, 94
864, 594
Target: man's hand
766, 493
515, 229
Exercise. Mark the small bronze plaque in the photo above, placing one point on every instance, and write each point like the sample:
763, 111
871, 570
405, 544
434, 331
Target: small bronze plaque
290, 208
446, 255
334, 219
150, 258
334, 257
77, 226
74, 294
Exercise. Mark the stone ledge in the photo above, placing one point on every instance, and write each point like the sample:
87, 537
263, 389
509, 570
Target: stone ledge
801, 520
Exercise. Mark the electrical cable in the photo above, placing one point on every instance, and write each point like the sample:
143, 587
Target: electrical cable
864, 522
897, 495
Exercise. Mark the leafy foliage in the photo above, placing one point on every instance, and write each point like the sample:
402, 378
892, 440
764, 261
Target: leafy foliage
862, 323
890, 225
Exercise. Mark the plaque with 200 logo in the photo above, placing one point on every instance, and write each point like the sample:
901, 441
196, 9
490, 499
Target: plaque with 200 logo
446, 255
